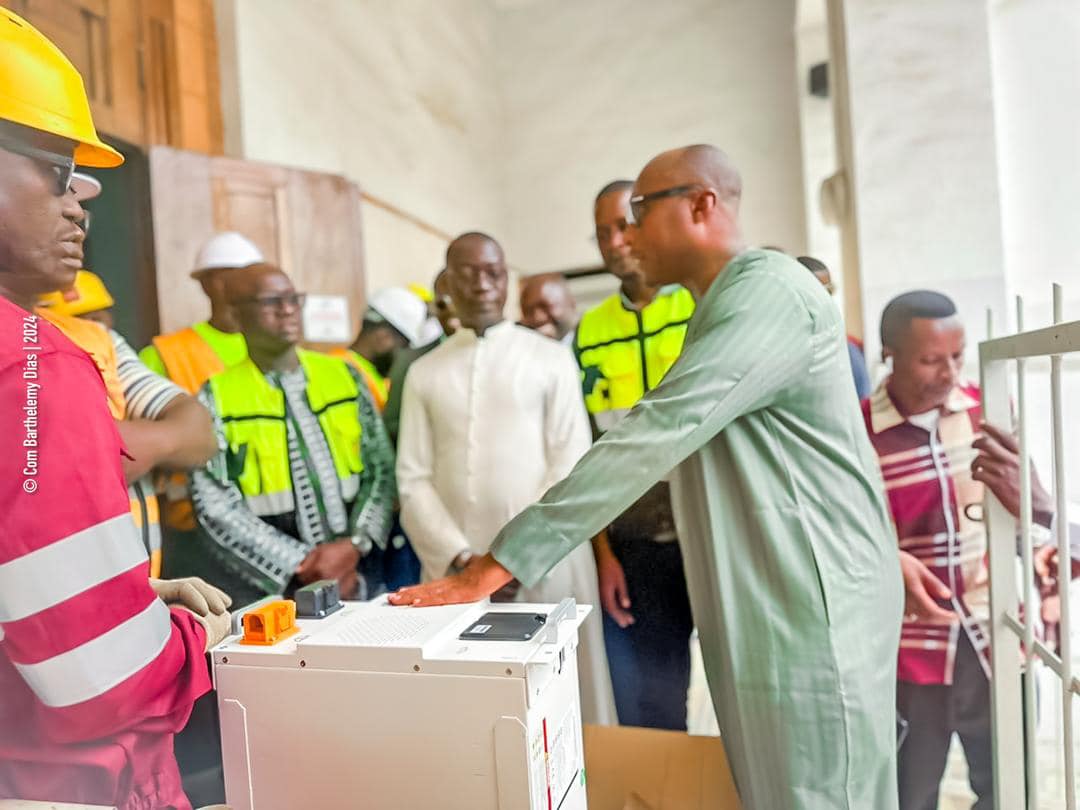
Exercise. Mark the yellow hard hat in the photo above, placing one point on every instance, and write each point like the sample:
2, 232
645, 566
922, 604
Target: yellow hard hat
88, 294
41, 89
421, 292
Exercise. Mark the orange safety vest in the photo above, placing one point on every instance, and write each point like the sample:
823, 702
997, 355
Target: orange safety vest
190, 362
93, 339
188, 358
378, 387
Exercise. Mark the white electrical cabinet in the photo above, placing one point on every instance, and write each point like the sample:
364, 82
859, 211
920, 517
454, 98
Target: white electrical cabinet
387, 708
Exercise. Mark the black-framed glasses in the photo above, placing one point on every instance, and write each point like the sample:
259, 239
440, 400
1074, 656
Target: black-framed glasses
277, 302
640, 202
61, 166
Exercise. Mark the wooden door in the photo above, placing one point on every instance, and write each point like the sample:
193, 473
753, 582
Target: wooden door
150, 67
308, 223
101, 38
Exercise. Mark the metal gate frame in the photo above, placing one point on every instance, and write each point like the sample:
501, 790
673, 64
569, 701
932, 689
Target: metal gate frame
1012, 635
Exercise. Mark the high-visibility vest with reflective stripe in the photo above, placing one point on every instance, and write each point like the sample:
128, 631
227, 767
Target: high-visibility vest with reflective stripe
145, 511
93, 339
377, 384
624, 352
189, 360
253, 416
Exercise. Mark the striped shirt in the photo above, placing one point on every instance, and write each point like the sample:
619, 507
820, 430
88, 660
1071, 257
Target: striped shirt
145, 393
936, 507
96, 673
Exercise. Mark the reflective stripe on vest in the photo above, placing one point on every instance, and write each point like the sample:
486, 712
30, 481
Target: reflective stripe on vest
623, 353
144, 511
253, 416
189, 360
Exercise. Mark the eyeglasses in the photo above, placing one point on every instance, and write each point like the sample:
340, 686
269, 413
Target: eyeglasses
61, 166
84, 223
277, 302
639, 202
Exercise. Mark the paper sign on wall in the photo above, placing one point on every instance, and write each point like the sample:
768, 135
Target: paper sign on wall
326, 319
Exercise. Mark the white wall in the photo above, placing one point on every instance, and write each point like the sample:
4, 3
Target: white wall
508, 115
818, 137
1036, 61
924, 150
396, 95
1036, 68
593, 89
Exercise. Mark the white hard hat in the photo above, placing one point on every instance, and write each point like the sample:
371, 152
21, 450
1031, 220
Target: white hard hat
430, 330
401, 309
227, 249
84, 187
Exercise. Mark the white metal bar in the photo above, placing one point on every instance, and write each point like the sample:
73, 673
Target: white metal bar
1061, 338
1005, 645
1064, 561
1028, 580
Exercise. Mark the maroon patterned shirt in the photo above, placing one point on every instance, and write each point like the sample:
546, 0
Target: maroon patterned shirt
937, 510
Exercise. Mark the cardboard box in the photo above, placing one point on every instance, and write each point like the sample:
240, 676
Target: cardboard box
644, 769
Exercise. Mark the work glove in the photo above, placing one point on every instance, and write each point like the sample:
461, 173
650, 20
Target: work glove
198, 596
216, 625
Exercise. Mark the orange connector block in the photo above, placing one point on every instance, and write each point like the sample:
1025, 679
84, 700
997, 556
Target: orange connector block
270, 623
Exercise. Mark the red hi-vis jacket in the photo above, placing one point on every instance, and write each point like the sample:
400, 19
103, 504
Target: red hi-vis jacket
96, 673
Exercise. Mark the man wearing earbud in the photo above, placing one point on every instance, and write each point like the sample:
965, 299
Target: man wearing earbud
936, 457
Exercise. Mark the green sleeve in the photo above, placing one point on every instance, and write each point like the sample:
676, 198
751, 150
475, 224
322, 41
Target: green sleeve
152, 360
392, 412
750, 339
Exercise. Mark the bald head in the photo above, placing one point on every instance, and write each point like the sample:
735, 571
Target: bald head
547, 305
246, 282
699, 164
476, 277
467, 244
686, 208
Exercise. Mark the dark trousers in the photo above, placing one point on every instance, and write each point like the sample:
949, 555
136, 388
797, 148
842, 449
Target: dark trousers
650, 659
933, 714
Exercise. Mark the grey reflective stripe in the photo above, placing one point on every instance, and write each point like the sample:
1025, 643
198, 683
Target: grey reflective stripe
271, 503
154, 537
606, 420
280, 503
93, 668
349, 488
53, 574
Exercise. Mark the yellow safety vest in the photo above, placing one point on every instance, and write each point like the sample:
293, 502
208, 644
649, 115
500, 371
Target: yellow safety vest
624, 352
253, 416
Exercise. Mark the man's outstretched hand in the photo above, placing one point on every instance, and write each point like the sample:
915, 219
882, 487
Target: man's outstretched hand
481, 578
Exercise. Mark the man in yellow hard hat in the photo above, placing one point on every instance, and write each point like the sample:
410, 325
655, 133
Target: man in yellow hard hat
96, 672
88, 298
